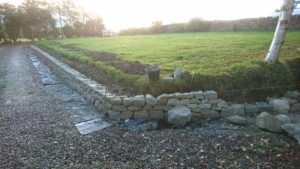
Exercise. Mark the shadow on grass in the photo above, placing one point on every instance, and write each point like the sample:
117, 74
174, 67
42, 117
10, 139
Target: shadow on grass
243, 84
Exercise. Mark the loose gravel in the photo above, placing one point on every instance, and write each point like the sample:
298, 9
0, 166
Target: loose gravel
35, 132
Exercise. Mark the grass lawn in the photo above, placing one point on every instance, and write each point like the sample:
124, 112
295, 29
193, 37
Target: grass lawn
205, 53
209, 54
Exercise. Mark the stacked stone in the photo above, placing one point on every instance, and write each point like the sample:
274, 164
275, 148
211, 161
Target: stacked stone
204, 105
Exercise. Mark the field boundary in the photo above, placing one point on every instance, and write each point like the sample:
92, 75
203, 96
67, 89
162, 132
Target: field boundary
204, 105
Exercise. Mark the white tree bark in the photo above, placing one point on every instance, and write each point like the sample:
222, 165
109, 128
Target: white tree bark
281, 29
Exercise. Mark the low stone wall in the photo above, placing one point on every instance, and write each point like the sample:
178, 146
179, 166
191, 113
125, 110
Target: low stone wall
203, 105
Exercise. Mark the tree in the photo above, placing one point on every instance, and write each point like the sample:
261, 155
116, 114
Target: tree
38, 20
12, 20
197, 25
94, 27
282, 26
70, 12
157, 27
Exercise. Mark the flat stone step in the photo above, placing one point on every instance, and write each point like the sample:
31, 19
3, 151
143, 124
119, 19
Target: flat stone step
92, 126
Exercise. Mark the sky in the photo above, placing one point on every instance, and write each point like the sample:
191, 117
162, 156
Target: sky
122, 14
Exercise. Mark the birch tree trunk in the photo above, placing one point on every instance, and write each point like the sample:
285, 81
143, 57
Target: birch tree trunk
281, 29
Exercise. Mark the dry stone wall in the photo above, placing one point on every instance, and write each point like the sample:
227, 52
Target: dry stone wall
203, 104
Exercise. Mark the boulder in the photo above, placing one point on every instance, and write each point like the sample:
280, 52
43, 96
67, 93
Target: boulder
281, 106
236, 119
268, 122
293, 130
179, 115
284, 119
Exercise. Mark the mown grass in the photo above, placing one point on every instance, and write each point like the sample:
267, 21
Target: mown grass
217, 60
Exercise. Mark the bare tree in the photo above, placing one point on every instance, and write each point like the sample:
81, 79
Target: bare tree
282, 26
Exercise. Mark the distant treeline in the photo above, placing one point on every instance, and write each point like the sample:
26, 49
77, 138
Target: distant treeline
200, 25
38, 19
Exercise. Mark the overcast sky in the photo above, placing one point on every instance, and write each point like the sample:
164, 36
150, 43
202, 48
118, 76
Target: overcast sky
121, 14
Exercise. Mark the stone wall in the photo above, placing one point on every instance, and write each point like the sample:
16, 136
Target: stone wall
203, 104
199, 105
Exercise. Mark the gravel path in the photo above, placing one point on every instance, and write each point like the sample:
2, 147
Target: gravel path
35, 132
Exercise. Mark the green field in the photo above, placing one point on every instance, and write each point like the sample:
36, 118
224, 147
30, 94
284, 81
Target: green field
211, 55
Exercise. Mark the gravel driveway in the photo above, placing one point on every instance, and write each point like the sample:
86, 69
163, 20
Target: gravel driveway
37, 133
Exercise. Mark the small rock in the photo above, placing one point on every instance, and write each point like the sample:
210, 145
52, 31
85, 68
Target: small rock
291, 101
205, 106
127, 101
177, 75
126, 115
268, 122
293, 130
119, 108
251, 109
295, 108
139, 100
222, 103
189, 95
264, 107
199, 95
284, 119
196, 116
156, 114
180, 96
114, 100
235, 109
210, 95
114, 115
162, 99
134, 108
236, 119
173, 102
151, 125
179, 115
281, 106
292, 95
210, 114
168, 79
150, 100
141, 114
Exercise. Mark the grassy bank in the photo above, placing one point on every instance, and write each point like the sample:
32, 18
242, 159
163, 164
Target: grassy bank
220, 61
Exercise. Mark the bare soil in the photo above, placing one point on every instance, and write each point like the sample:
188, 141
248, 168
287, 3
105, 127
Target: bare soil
130, 67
